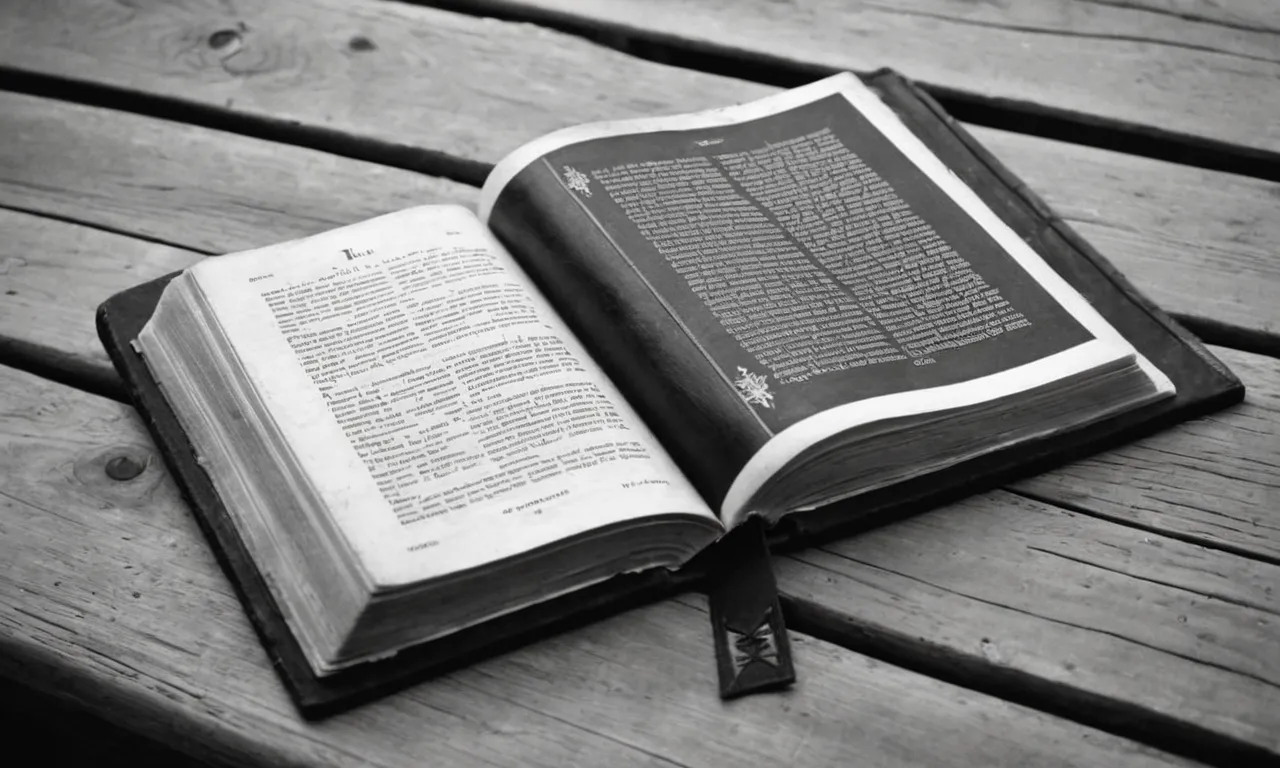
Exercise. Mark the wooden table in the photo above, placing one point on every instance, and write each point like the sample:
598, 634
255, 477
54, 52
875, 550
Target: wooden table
1124, 610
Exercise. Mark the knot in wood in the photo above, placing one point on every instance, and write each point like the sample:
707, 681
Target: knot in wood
124, 468
223, 38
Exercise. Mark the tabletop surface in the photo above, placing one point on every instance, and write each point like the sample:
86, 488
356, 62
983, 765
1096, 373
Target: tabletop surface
1123, 610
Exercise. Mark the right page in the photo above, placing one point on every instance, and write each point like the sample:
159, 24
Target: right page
762, 278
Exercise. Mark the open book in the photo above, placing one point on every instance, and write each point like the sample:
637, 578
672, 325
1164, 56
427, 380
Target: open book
652, 331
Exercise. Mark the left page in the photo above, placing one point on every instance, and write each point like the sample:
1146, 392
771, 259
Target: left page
445, 414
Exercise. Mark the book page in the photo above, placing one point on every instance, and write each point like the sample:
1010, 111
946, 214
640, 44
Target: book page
445, 413
827, 267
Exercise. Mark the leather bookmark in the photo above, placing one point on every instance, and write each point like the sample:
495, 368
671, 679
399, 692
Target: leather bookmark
752, 650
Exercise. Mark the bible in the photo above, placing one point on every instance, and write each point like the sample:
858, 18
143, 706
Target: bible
426, 432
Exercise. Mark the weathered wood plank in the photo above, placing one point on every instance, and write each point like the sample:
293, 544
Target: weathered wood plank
1201, 244
53, 275
1215, 480
111, 601
1180, 69
1198, 241
395, 73
188, 186
1109, 623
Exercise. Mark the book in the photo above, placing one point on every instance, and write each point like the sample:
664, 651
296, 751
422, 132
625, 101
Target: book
418, 436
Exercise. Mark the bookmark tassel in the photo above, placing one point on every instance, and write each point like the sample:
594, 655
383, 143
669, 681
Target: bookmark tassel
752, 650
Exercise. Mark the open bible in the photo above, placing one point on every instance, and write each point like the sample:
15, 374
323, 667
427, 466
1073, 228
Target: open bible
651, 332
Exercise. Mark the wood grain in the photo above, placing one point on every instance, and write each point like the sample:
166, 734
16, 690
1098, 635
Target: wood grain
110, 601
1177, 69
53, 275
1215, 480
187, 186
1121, 624
391, 72
1198, 242
1201, 244
1181, 67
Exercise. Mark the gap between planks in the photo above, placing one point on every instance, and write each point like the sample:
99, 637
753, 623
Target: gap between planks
1130, 633
1117, 717
282, 131
1189, 538
702, 52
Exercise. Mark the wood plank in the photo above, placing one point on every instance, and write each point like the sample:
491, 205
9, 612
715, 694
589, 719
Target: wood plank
111, 601
1179, 69
387, 71
53, 275
1114, 625
474, 89
1201, 244
1215, 480
187, 186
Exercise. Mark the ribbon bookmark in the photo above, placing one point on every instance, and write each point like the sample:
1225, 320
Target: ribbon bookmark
752, 650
